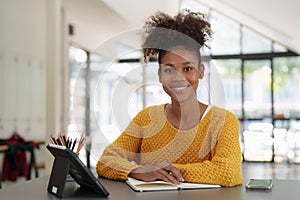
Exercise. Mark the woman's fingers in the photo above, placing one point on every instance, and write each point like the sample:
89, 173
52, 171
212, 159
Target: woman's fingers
163, 171
165, 176
171, 172
175, 173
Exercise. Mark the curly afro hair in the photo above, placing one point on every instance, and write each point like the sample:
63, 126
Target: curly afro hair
187, 28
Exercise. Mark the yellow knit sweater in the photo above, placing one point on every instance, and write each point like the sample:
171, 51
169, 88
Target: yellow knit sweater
208, 153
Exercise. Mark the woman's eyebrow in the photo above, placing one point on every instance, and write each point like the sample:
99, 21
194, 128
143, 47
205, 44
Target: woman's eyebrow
187, 63
167, 65
172, 65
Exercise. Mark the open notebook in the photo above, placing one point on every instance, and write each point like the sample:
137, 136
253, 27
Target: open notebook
141, 186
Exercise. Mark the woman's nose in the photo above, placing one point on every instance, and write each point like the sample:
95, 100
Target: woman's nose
178, 76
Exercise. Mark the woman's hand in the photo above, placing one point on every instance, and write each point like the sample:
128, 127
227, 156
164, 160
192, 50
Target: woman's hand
163, 171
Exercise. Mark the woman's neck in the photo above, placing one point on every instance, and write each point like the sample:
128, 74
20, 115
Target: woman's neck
185, 115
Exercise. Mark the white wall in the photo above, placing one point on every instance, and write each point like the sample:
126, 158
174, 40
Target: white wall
22, 68
23, 27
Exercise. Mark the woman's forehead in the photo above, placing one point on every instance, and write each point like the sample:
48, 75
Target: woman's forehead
180, 53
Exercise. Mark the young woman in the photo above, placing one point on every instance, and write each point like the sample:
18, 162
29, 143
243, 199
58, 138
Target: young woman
186, 140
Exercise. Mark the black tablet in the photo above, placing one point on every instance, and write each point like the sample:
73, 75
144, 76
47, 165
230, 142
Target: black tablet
67, 162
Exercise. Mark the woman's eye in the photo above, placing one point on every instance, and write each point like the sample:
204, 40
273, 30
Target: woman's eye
169, 70
187, 69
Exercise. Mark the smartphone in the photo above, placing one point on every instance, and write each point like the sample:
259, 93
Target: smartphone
259, 184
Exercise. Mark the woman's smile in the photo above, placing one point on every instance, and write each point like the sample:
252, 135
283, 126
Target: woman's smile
179, 88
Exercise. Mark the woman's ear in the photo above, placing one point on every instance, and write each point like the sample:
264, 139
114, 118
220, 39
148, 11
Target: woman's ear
201, 71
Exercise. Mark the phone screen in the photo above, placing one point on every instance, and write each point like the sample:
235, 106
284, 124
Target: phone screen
259, 184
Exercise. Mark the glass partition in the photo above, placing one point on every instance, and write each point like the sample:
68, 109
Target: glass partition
226, 37
257, 89
230, 72
253, 42
287, 87
287, 109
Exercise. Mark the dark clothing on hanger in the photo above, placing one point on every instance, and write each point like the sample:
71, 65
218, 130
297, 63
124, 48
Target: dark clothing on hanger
15, 162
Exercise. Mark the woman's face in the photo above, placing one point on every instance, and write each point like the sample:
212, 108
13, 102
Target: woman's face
179, 73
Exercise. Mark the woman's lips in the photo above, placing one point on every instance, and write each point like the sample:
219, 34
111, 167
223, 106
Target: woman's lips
179, 88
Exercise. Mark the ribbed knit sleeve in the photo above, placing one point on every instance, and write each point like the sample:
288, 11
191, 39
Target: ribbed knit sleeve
117, 159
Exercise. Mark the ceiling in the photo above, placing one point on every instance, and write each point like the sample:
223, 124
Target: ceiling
275, 19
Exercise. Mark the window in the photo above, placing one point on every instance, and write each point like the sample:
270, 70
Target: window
255, 43
287, 109
226, 37
261, 82
230, 72
287, 86
77, 86
77, 89
257, 87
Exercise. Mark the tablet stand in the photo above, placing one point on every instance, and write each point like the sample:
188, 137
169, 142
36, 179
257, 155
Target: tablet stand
67, 162
58, 177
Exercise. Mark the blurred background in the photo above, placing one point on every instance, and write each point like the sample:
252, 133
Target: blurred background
75, 66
